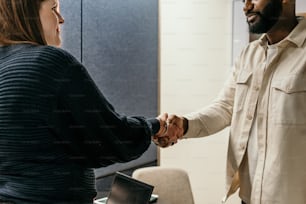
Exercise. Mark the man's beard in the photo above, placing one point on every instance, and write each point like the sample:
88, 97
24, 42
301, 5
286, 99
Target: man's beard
267, 18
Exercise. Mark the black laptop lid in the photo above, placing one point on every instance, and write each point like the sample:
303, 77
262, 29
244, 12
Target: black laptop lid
126, 190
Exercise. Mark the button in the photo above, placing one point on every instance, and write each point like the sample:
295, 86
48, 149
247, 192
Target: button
256, 88
242, 146
249, 117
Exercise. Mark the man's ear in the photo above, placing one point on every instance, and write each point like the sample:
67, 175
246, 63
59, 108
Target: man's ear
288, 1
292, 3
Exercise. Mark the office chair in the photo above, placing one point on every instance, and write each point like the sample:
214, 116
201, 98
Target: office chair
170, 184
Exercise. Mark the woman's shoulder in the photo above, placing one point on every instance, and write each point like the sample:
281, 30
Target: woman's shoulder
55, 53
52, 59
37, 56
31, 52
53, 56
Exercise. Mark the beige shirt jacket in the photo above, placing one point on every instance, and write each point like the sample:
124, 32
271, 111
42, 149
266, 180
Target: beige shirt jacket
275, 91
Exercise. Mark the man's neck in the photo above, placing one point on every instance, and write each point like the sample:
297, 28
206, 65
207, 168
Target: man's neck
281, 30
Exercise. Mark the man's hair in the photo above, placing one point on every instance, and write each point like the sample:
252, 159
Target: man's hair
20, 22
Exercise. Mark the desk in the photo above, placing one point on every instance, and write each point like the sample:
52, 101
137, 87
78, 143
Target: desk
101, 201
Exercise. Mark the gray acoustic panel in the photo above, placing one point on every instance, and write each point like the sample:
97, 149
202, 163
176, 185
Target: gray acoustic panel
71, 29
120, 40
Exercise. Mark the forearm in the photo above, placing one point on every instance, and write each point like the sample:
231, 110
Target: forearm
206, 122
215, 117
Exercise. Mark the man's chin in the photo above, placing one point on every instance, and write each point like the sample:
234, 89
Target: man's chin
255, 28
255, 31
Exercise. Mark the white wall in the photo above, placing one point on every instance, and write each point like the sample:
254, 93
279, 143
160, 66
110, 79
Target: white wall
300, 6
195, 48
195, 60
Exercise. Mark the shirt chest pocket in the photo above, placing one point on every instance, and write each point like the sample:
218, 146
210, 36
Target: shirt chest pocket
288, 100
242, 87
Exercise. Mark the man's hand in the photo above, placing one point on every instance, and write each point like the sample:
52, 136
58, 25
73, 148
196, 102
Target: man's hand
178, 126
160, 139
172, 128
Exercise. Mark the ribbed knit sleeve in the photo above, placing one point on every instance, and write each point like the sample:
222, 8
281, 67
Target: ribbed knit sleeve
55, 125
103, 135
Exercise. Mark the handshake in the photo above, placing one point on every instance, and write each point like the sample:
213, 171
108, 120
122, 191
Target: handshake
171, 129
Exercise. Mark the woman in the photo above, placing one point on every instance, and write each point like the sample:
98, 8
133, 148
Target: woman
55, 124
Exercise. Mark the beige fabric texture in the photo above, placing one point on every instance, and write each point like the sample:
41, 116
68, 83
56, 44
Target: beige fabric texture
276, 93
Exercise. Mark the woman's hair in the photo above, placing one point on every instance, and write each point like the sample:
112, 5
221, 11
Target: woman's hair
20, 22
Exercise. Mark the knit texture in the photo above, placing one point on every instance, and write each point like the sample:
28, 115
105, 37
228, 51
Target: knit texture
55, 126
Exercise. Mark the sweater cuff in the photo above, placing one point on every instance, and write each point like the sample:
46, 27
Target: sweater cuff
154, 125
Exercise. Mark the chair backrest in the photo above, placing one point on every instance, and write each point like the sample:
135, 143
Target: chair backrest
172, 185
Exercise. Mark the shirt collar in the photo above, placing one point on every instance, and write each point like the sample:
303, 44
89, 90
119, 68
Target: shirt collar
297, 35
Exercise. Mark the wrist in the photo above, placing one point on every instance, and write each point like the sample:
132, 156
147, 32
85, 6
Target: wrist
185, 125
162, 127
154, 125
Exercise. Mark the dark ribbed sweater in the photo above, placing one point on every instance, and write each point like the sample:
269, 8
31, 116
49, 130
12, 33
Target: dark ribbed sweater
55, 126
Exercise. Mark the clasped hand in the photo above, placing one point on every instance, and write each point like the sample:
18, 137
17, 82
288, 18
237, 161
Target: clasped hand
171, 129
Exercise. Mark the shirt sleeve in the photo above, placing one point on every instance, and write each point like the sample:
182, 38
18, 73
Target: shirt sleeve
96, 129
216, 116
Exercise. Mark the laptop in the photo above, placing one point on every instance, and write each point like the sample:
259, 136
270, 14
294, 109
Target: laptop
127, 190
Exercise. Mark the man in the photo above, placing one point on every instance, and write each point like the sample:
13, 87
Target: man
264, 103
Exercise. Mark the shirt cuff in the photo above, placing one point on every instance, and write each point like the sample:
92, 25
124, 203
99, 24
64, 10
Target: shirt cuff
154, 125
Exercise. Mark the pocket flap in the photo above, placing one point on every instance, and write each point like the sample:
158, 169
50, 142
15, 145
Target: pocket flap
291, 84
244, 76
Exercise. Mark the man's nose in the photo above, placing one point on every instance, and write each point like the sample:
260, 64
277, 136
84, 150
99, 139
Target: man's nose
248, 5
